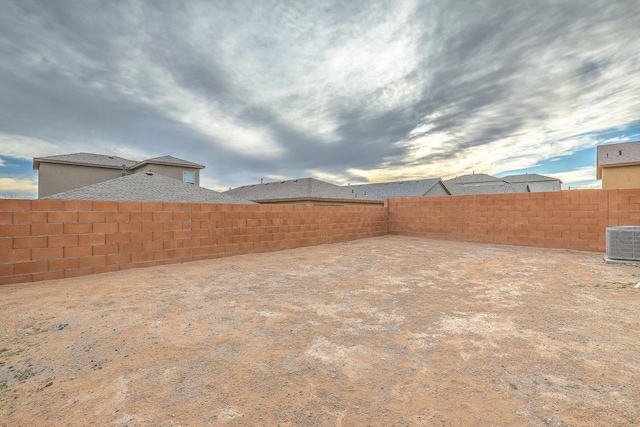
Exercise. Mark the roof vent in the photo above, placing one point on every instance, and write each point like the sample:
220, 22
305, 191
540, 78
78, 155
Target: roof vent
623, 243
149, 173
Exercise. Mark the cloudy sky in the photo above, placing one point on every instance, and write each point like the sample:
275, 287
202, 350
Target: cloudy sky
344, 91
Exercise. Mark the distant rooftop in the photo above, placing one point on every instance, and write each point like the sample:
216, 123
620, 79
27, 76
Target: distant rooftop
106, 161
481, 183
411, 188
147, 187
459, 190
300, 189
88, 159
528, 177
476, 178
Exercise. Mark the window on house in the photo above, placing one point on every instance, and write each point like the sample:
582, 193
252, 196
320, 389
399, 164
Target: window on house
189, 177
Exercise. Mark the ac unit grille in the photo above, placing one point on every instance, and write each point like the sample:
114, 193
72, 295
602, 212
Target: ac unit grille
623, 243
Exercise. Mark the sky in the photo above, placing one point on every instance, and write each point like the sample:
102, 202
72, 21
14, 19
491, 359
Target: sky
344, 91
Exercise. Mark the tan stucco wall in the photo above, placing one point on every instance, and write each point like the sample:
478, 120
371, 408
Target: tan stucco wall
174, 172
621, 177
55, 178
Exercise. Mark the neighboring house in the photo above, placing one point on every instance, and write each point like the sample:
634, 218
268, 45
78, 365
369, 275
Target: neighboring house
460, 190
618, 165
147, 187
481, 183
475, 180
416, 188
304, 191
65, 172
536, 183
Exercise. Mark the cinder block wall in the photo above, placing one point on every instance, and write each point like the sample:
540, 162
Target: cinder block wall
566, 219
51, 239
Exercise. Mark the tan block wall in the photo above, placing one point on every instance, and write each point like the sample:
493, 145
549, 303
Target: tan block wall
566, 220
53, 239
621, 177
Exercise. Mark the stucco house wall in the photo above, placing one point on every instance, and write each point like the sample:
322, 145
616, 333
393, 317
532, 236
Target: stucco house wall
621, 177
54, 178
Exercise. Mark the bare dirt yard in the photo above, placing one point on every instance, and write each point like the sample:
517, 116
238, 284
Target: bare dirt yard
385, 331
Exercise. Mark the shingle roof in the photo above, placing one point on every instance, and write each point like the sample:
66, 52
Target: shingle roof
625, 153
397, 188
106, 161
528, 177
299, 189
144, 187
472, 178
169, 160
89, 159
459, 190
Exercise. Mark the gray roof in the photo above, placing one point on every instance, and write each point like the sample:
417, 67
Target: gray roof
398, 188
472, 179
459, 190
625, 153
88, 159
106, 161
169, 160
299, 189
528, 177
147, 187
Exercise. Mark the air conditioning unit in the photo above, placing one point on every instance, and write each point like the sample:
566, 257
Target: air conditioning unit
623, 243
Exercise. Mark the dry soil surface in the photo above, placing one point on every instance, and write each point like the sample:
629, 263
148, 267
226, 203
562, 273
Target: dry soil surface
385, 331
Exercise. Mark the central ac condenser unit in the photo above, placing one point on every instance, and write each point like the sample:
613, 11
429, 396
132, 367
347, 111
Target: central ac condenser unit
623, 243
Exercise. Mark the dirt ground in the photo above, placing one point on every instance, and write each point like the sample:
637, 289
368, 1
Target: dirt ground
384, 331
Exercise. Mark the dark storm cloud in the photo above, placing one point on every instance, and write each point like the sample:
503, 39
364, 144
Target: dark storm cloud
291, 89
